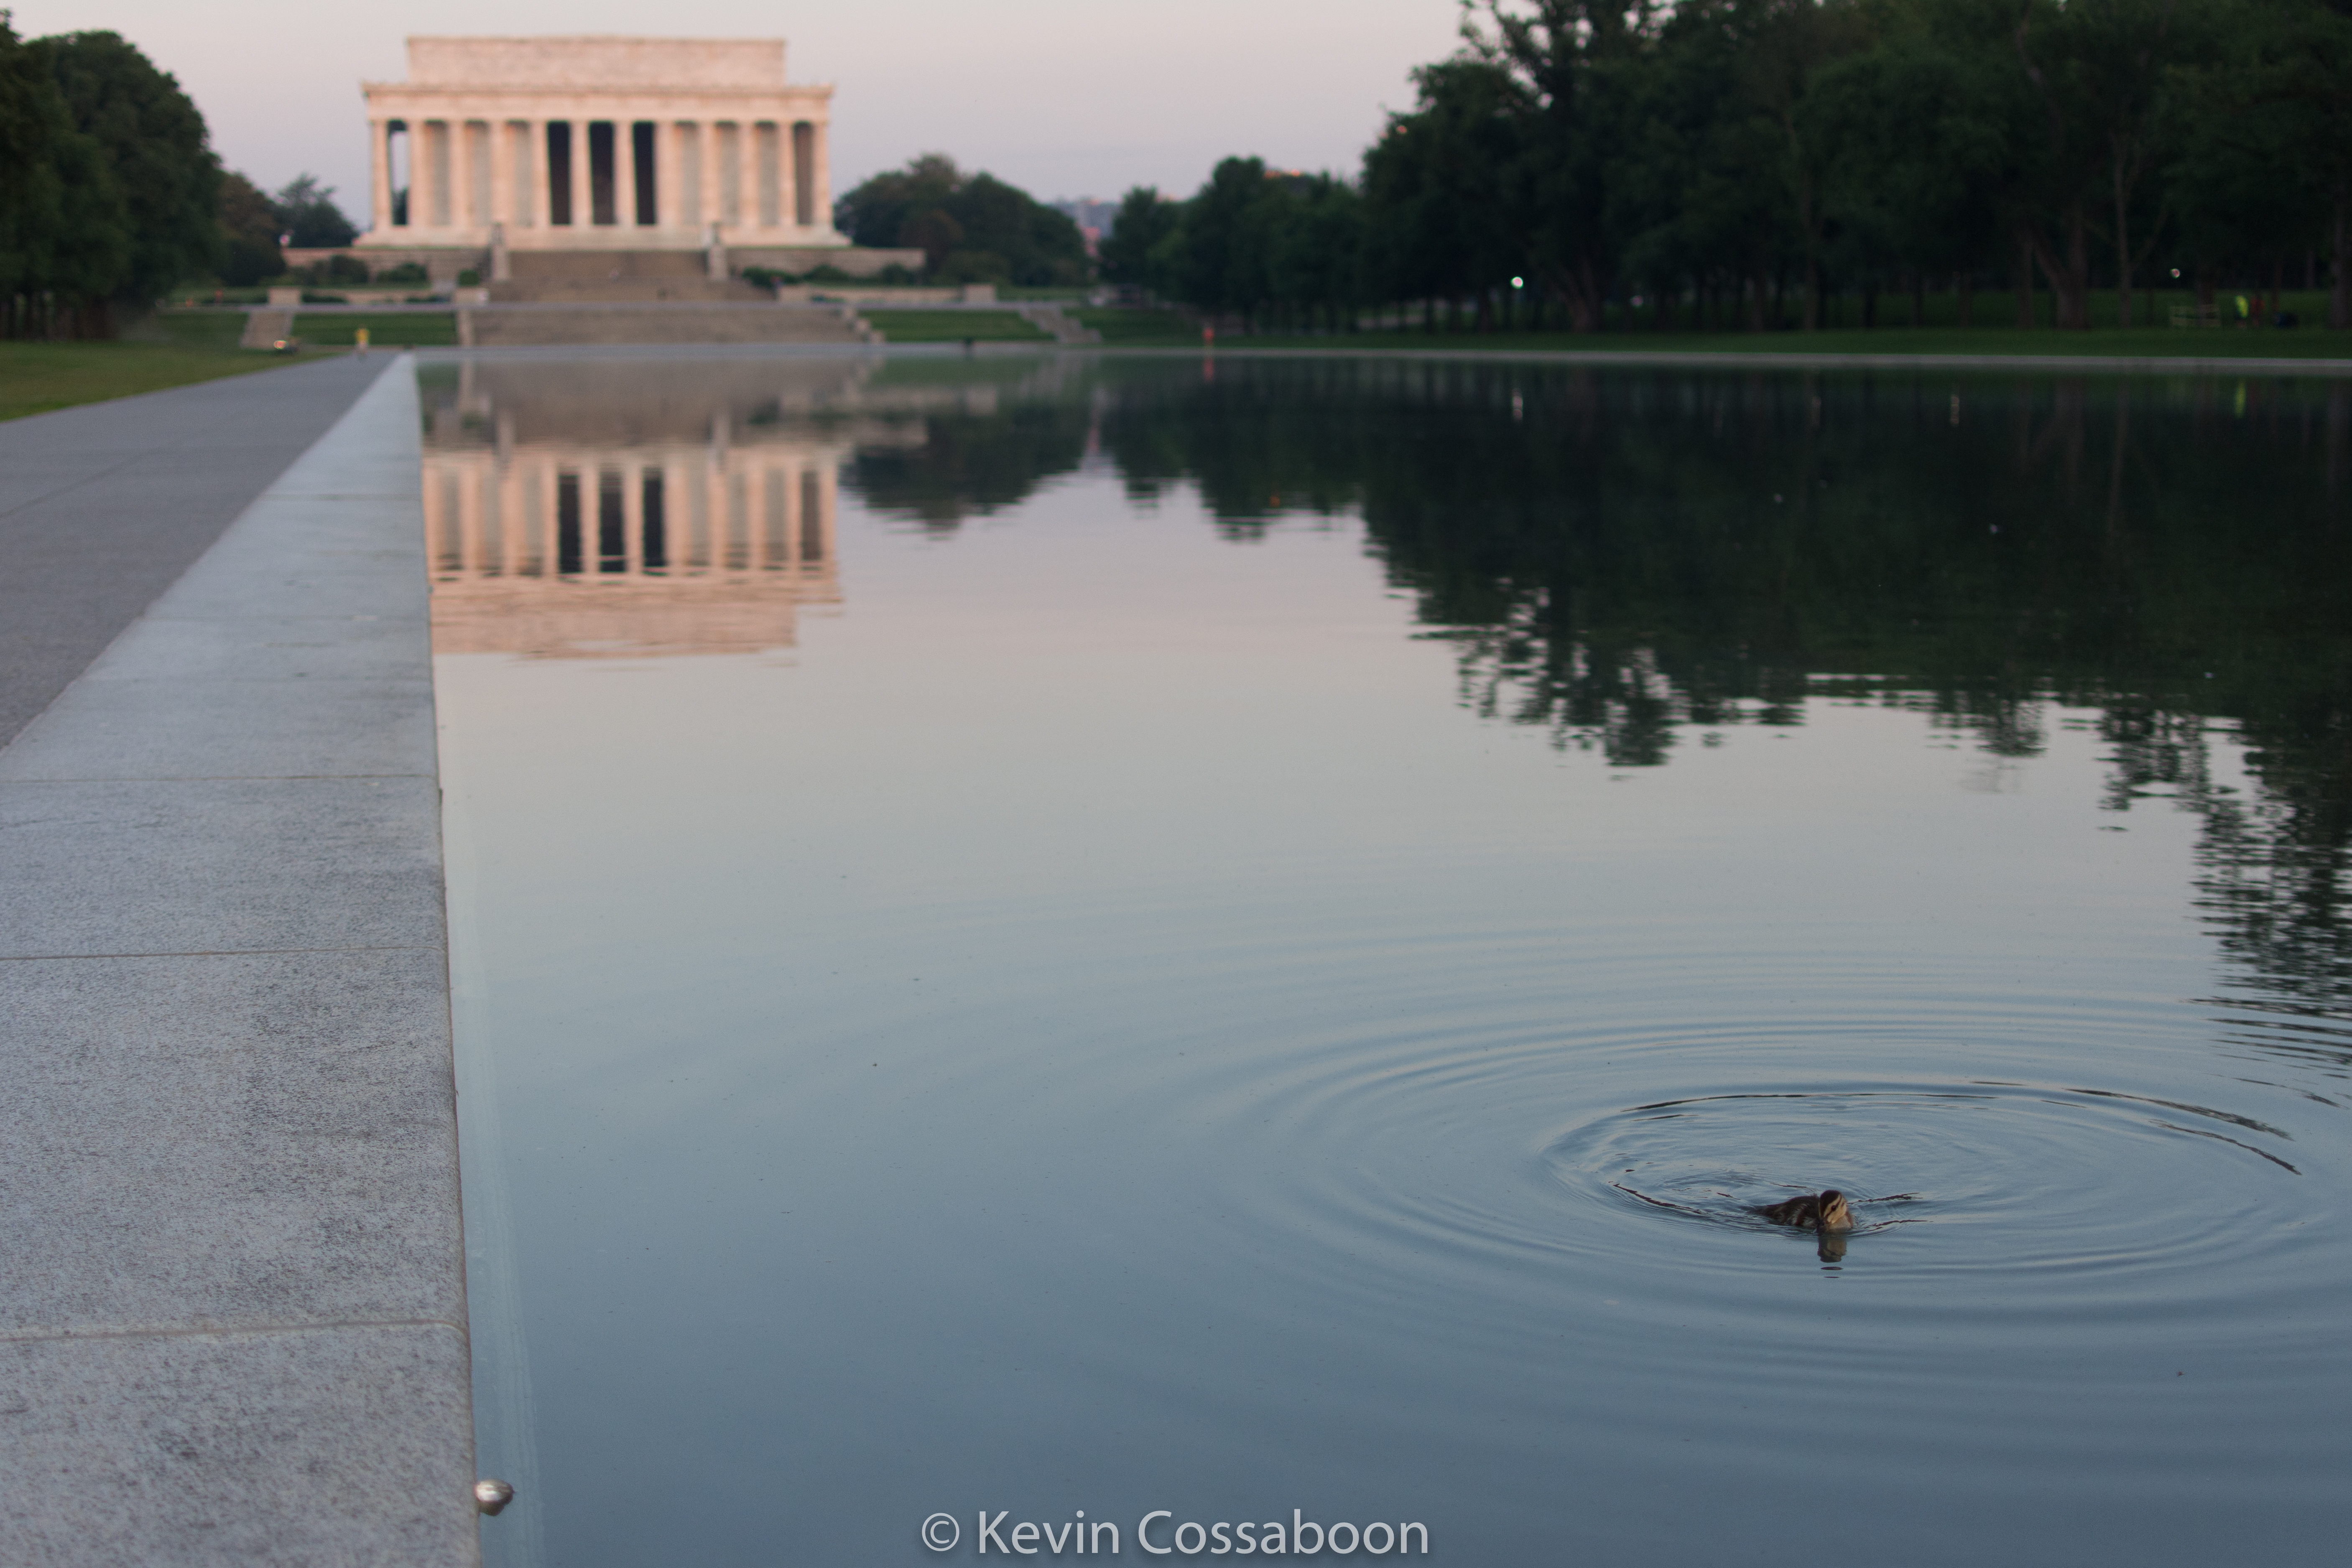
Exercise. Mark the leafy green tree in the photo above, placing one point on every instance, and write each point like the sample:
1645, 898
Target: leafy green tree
1568, 62
1442, 185
65, 232
1317, 267
307, 215
156, 150
1144, 221
249, 232
2102, 73
1221, 253
971, 227
1918, 151
2264, 161
1788, 43
32, 123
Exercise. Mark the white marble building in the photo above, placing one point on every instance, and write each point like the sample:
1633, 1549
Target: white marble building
599, 144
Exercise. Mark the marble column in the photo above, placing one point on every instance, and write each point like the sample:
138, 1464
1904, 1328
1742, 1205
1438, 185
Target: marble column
380, 177
627, 173
500, 135
420, 175
537, 205
428, 185
584, 210
768, 212
474, 160
693, 159
633, 511
728, 187
788, 173
821, 178
669, 210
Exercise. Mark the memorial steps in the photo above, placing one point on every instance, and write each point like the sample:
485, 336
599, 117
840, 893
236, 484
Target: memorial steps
680, 323
640, 297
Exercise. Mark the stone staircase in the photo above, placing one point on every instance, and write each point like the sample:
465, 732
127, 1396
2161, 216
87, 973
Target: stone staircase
586, 298
670, 322
622, 290
1047, 317
617, 276
266, 329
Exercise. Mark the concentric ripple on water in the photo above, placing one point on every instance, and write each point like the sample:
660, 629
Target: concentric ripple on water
1994, 1175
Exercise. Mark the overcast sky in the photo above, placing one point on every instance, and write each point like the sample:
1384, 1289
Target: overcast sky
1064, 97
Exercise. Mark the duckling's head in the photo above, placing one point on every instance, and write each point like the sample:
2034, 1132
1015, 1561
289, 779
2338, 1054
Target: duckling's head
1834, 1214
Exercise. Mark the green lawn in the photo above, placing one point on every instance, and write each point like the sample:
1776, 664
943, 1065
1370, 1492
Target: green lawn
165, 350
1125, 326
392, 329
2227, 344
952, 326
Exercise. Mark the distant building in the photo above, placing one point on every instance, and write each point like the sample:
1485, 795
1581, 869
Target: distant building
1093, 218
599, 143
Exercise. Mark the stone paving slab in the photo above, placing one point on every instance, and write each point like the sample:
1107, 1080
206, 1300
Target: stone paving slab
204, 864
255, 647
232, 1294
292, 1449
213, 727
225, 1142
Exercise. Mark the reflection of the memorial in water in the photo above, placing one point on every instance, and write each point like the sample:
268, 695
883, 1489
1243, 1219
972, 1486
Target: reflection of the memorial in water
627, 509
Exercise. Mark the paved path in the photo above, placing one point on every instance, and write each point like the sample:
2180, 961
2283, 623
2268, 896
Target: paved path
232, 1301
102, 507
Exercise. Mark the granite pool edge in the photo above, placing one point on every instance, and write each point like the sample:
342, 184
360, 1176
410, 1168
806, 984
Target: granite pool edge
234, 1327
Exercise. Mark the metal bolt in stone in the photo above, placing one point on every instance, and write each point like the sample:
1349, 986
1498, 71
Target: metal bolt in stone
492, 1496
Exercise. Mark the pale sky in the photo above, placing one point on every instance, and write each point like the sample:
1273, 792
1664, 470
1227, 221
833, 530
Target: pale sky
1064, 97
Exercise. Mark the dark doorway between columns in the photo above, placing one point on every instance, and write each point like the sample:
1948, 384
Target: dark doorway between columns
602, 207
657, 522
558, 171
641, 147
567, 524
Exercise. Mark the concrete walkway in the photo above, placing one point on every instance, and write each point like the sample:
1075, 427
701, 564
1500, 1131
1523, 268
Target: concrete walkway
102, 507
232, 1301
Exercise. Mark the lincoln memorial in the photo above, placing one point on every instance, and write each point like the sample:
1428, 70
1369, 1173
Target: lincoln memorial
598, 144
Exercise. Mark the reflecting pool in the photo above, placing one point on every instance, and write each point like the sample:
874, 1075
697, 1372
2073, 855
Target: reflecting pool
1170, 945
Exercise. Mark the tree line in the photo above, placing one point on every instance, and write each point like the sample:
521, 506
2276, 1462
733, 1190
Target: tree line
971, 227
110, 193
1742, 163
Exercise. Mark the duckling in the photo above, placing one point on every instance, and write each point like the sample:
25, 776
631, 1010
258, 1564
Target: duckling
1824, 1211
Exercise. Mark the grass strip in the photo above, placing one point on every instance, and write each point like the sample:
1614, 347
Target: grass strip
952, 326
392, 329
1927, 341
36, 377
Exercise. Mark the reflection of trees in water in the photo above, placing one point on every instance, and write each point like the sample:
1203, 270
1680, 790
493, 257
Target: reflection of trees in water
1621, 557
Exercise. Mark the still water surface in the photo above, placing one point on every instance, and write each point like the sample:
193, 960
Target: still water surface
1114, 936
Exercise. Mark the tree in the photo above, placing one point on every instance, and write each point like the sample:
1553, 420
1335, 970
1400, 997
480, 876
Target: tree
155, 148
971, 227
1144, 219
1318, 247
1917, 154
2263, 161
65, 233
1566, 61
250, 231
1222, 251
1441, 184
2102, 73
305, 212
